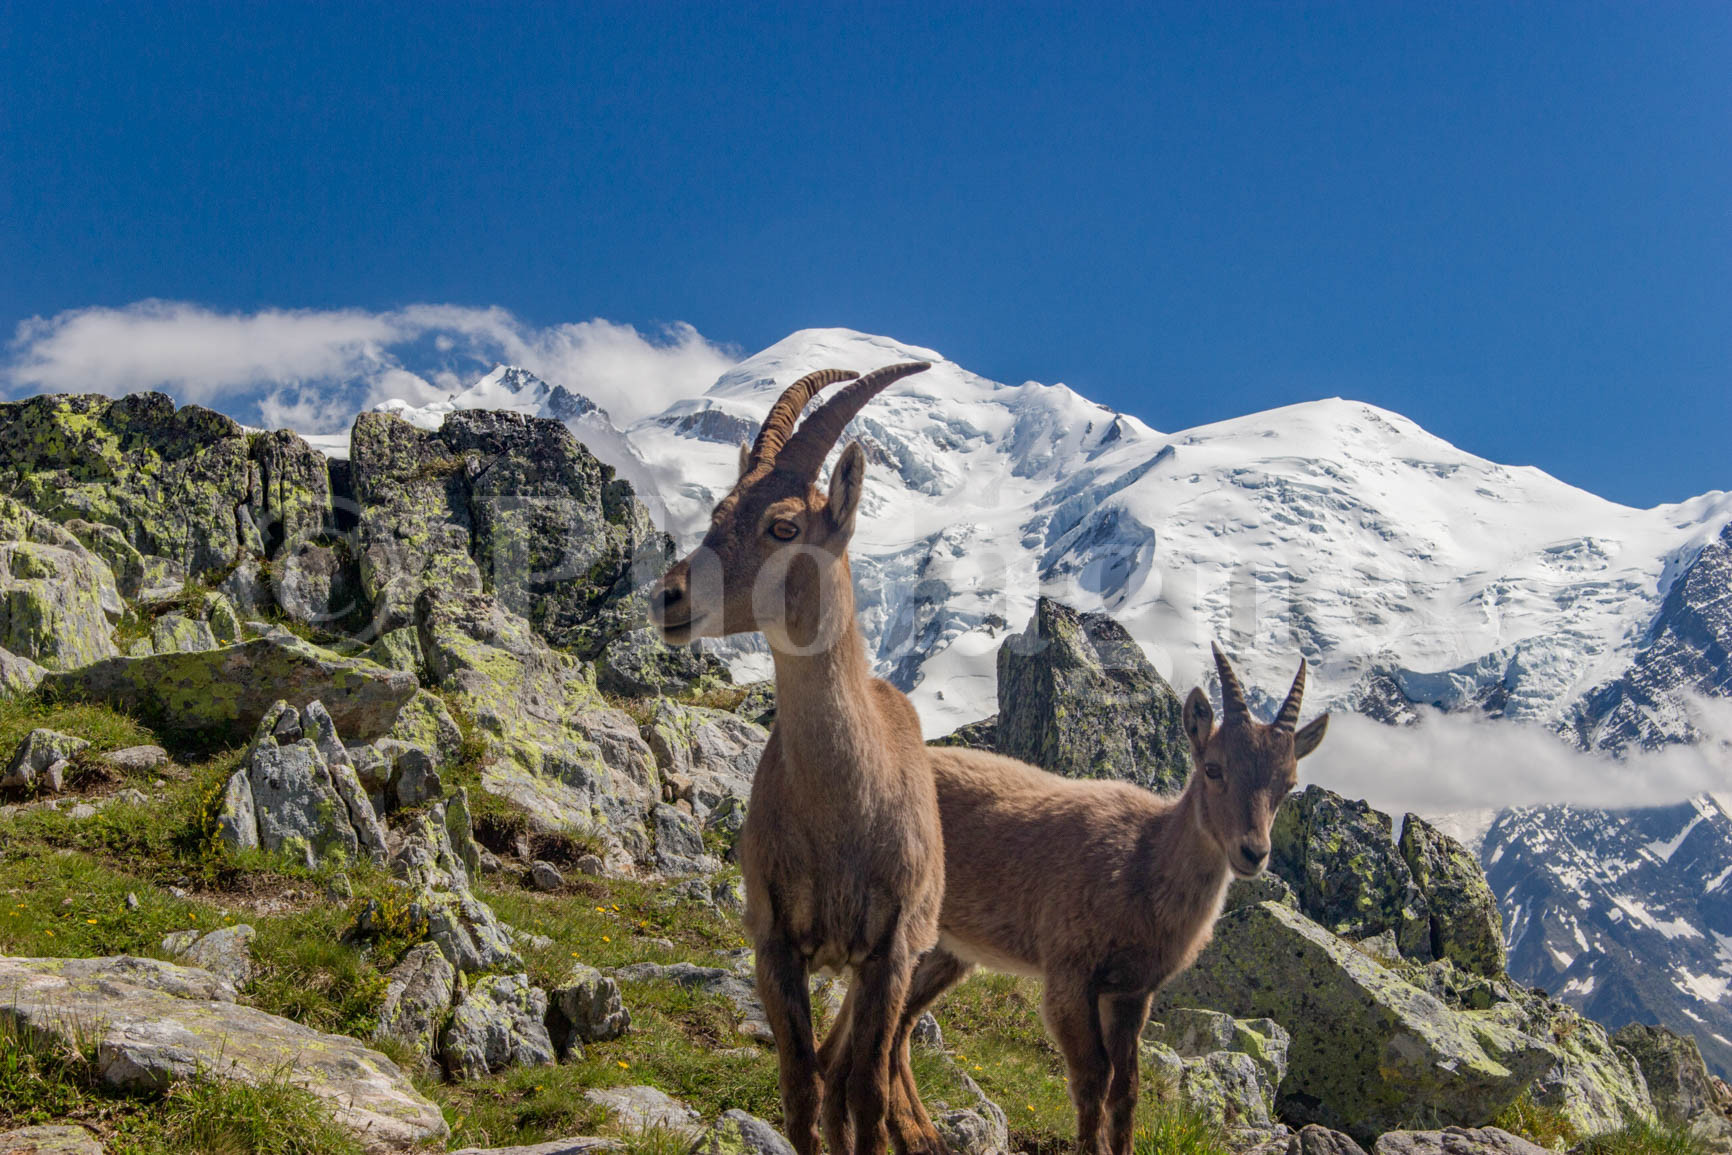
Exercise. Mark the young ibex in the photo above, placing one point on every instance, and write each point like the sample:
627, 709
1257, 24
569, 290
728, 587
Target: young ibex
1100, 888
842, 852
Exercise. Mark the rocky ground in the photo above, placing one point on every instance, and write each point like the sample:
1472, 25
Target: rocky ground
347, 806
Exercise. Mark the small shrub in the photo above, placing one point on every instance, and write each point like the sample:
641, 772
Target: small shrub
1175, 1129
1642, 1138
1545, 1126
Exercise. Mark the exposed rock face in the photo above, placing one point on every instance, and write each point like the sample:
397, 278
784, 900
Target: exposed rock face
1368, 1050
1077, 696
498, 1023
504, 503
437, 856
1679, 1083
226, 691
58, 601
638, 663
226, 953
713, 752
49, 1140
1455, 1141
39, 752
1593, 1084
641, 1108
1309, 1140
977, 1128
585, 1008
737, 1133
300, 792
421, 989
18, 675
155, 1023
558, 750
170, 481
1227, 1069
1466, 926
1342, 862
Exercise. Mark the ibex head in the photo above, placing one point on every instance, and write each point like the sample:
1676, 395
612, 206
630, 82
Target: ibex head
776, 544
1243, 768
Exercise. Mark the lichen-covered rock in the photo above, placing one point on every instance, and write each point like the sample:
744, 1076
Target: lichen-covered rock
737, 1133
320, 585
1594, 1084
680, 844
57, 599
585, 1008
639, 664
714, 751
294, 800
179, 634
436, 855
1466, 926
555, 747
222, 693
419, 993
638, 1109
36, 753
18, 676
1194, 1034
153, 1023
1077, 696
318, 725
498, 1023
53, 1139
136, 759
398, 650
1679, 1083
170, 481
226, 952
977, 1128
1341, 860
1368, 1050
1456, 1141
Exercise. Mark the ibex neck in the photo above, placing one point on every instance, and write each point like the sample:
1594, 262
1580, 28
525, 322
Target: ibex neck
1195, 868
822, 691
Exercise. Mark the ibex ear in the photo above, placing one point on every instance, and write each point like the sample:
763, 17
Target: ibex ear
745, 458
847, 483
1199, 719
1310, 737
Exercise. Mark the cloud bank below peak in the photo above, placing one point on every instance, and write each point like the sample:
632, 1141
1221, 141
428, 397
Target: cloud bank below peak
313, 369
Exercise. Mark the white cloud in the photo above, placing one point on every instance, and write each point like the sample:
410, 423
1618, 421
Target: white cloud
314, 369
1460, 762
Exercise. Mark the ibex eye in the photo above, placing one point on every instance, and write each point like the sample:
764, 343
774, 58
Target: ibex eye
784, 530
1213, 771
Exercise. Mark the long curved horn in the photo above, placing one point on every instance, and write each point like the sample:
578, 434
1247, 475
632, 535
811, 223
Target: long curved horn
780, 423
1234, 708
1288, 718
811, 443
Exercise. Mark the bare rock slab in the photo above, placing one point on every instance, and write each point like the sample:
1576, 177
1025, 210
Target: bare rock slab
578, 1145
641, 1108
1455, 1141
51, 1140
155, 1023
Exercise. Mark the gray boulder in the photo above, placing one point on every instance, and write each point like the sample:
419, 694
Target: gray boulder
297, 794
1341, 860
1679, 1083
436, 856
680, 844
585, 1008
638, 1109
1368, 1050
638, 664
136, 759
226, 953
36, 754
1119, 717
977, 1128
498, 1023
1466, 925
1455, 1141
419, 993
737, 1133
49, 1140
57, 599
712, 752
154, 1023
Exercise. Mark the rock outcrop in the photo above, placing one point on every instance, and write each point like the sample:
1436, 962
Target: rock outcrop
154, 1023
1077, 696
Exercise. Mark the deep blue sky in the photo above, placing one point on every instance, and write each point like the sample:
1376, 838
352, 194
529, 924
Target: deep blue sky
1511, 222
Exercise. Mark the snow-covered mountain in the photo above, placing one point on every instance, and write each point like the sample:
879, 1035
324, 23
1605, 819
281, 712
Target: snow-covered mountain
1406, 570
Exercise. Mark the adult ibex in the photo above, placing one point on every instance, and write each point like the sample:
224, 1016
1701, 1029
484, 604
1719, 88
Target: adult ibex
1100, 888
842, 853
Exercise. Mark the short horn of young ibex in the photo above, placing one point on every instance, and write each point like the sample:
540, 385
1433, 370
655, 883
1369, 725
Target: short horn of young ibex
1100, 888
841, 851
